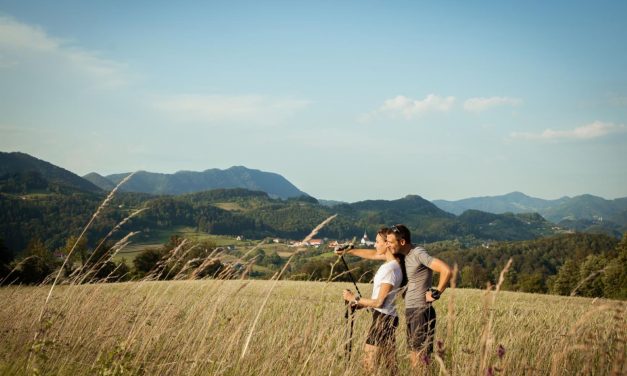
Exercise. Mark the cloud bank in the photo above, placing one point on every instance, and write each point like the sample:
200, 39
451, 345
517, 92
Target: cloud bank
585, 132
483, 104
410, 108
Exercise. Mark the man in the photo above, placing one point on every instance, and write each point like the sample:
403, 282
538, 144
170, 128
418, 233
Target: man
419, 313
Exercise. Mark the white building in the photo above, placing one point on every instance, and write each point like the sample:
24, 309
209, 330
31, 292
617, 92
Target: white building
365, 241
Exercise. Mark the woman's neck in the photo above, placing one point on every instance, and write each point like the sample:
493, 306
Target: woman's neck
389, 256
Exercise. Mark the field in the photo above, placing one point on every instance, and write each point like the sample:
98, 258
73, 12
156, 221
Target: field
251, 327
157, 238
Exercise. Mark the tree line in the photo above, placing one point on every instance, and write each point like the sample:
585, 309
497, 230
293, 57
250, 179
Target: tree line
574, 264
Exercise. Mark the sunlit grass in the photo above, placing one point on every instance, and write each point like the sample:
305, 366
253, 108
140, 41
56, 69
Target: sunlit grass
200, 327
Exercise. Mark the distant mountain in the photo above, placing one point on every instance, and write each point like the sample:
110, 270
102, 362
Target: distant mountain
22, 173
515, 202
586, 207
330, 203
190, 181
99, 181
582, 213
429, 223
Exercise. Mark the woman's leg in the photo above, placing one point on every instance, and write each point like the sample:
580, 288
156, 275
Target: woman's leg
370, 356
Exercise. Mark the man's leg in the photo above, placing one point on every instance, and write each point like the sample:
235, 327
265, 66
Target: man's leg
420, 335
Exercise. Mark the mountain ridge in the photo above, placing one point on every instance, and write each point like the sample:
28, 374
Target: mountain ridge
185, 181
579, 212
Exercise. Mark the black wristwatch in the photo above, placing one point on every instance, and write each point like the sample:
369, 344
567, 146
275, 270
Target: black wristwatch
435, 293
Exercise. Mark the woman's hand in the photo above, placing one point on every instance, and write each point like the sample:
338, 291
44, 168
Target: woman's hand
343, 250
348, 295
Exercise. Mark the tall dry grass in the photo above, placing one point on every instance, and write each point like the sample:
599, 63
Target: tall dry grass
200, 327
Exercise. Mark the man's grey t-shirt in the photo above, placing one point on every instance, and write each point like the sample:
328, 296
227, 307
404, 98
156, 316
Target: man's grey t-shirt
419, 277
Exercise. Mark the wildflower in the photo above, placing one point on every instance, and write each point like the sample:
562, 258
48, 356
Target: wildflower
500, 351
425, 358
440, 348
489, 372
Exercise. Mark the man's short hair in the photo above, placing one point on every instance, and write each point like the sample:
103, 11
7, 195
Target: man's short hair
401, 232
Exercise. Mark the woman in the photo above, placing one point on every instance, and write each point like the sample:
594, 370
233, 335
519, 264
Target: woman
390, 277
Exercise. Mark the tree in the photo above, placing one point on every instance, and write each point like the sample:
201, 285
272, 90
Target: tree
78, 255
531, 283
510, 279
5, 258
37, 248
567, 278
590, 276
146, 261
474, 276
110, 271
615, 276
274, 259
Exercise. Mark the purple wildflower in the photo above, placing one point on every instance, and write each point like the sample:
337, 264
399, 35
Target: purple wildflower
440, 348
425, 358
500, 351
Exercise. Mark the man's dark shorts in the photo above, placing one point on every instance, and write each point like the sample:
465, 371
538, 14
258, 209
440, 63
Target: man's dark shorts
420, 328
382, 331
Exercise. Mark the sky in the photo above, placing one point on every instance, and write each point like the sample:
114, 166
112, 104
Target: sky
348, 100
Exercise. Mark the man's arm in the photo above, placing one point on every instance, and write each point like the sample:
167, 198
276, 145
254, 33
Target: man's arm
369, 254
446, 273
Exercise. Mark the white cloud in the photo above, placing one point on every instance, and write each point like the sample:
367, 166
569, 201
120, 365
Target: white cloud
211, 108
482, 104
20, 41
585, 132
410, 108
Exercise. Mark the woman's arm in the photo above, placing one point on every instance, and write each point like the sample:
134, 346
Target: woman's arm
369, 254
384, 290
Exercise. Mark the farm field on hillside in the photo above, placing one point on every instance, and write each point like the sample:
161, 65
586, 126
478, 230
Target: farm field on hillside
204, 327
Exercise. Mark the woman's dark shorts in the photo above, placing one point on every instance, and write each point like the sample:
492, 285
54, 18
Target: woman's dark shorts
420, 328
382, 330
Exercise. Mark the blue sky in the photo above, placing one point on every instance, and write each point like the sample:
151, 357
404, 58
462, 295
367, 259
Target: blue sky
348, 100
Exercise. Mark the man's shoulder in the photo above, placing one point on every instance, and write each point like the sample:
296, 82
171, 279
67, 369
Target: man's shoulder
419, 255
417, 250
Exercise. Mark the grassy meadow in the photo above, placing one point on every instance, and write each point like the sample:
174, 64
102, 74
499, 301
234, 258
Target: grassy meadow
253, 327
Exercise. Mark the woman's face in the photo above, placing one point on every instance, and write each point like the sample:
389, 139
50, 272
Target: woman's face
380, 245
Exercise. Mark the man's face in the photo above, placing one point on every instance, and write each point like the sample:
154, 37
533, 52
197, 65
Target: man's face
393, 244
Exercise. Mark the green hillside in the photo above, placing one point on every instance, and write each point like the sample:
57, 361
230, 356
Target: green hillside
22, 173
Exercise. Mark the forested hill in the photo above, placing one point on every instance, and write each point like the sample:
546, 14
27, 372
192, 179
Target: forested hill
53, 218
556, 264
191, 181
99, 181
20, 172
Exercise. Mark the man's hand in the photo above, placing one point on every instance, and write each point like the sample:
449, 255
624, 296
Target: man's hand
428, 297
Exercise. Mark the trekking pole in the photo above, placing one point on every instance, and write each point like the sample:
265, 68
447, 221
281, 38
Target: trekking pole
349, 315
350, 274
